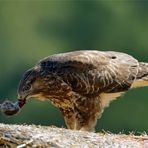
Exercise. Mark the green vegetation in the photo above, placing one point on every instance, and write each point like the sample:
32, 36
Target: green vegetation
32, 30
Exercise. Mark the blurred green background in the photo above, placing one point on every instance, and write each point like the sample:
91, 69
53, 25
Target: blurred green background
31, 30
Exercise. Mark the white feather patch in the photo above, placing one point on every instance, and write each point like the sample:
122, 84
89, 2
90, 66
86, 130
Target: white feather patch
139, 83
106, 98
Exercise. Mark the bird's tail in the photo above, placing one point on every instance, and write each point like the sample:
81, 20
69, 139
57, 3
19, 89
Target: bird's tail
142, 76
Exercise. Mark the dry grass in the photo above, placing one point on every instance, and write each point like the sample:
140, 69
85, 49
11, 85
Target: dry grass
38, 136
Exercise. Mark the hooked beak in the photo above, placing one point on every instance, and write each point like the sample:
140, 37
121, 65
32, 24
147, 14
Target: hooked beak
22, 100
23, 97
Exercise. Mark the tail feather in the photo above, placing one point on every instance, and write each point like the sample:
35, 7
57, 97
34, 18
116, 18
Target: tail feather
143, 71
142, 76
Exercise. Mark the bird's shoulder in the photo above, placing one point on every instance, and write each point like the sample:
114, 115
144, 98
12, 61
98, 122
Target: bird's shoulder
78, 60
84, 59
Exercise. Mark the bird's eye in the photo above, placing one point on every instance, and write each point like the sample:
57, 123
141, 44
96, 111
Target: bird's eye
27, 87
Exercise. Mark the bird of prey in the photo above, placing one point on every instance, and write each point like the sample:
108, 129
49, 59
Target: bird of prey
83, 83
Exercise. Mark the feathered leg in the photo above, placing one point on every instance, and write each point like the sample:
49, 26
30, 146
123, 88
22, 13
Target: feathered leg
69, 117
87, 111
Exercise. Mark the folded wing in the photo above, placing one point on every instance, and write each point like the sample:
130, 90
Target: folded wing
93, 72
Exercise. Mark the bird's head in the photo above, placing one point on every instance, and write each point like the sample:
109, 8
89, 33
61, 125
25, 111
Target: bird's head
32, 84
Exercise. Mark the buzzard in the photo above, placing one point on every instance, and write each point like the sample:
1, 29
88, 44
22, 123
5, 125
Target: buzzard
83, 83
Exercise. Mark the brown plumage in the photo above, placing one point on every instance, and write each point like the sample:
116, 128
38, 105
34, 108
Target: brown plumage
82, 83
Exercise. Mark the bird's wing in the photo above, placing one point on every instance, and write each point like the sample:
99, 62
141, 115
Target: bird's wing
90, 72
123, 69
72, 60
